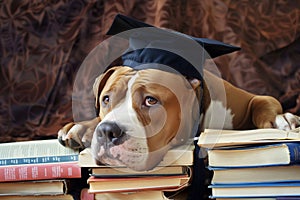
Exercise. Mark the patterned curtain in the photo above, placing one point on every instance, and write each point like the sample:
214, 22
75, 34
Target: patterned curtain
43, 44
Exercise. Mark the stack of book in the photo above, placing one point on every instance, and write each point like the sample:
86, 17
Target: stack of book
39, 169
261, 163
118, 182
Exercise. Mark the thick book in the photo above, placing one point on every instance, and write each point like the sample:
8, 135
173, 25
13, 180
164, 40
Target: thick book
40, 171
38, 197
262, 198
113, 172
100, 185
136, 195
273, 174
212, 138
182, 155
45, 187
35, 152
255, 190
253, 156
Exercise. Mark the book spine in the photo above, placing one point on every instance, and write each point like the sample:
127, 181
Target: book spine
39, 172
38, 160
294, 150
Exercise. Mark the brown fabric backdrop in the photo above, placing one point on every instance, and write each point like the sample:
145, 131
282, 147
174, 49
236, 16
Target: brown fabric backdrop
43, 43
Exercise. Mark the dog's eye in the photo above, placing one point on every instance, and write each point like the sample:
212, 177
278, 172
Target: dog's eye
150, 101
105, 99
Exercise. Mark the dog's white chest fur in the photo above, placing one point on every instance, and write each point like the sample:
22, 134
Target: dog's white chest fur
218, 117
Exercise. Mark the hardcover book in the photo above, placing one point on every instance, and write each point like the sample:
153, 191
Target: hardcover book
136, 195
273, 174
45, 187
38, 197
255, 190
110, 172
100, 185
39, 171
254, 156
274, 198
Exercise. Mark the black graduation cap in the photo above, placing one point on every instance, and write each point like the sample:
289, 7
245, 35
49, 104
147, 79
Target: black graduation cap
152, 47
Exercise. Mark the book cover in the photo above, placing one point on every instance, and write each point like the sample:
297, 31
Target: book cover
255, 190
272, 174
136, 195
253, 156
45, 187
262, 198
38, 197
111, 172
212, 138
40, 171
35, 152
100, 185
274, 198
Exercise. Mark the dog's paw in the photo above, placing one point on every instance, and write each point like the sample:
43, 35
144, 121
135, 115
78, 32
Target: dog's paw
287, 121
77, 135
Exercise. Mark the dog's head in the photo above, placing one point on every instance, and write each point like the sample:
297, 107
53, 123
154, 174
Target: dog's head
142, 115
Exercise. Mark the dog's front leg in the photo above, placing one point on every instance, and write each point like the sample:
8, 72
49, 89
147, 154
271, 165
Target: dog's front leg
267, 113
78, 135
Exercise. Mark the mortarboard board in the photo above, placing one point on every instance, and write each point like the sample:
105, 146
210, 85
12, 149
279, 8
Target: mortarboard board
152, 47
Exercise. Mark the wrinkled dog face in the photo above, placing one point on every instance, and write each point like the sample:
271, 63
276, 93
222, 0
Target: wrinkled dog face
143, 114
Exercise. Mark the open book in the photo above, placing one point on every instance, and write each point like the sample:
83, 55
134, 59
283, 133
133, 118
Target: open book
212, 138
36, 152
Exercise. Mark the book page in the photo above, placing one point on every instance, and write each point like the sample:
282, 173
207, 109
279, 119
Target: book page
34, 149
211, 138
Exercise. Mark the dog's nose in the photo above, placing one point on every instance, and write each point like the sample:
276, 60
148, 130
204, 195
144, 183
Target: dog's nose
110, 130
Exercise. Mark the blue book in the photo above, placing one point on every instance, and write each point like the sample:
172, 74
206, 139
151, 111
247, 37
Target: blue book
35, 152
261, 198
255, 190
243, 175
255, 156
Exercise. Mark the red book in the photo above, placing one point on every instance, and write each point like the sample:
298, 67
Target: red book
85, 195
39, 171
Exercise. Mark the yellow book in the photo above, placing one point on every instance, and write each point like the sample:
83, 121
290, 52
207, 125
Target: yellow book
139, 195
100, 185
38, 197
126, 172
45, 187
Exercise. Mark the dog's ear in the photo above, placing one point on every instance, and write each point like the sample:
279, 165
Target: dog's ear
99, 85
206, 99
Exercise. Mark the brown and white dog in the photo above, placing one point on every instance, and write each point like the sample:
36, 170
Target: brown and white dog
143, 114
